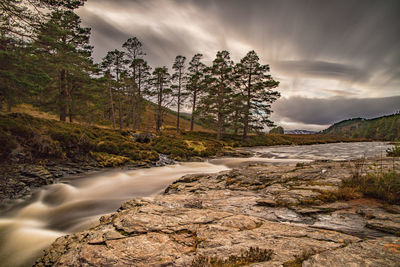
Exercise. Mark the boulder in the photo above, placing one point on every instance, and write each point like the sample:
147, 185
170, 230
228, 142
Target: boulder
143, 137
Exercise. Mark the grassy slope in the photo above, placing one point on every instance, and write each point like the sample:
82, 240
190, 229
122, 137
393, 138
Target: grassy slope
169, 120
147, 123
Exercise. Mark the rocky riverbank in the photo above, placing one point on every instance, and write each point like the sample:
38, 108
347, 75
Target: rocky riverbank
258, 215
19, 181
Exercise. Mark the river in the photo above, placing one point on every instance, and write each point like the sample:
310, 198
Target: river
76, 203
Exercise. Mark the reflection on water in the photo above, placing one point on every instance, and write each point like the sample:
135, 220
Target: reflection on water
77, 203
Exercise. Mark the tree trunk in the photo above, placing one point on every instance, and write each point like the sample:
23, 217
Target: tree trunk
133, 112
246, 116
236, 124
138, 104
63, 96
219, 126
134, 97
246, 121
179, 101
119, 110
159, 109
9, 105
220, 123
70, 109
193, 110
111, 104
119, 102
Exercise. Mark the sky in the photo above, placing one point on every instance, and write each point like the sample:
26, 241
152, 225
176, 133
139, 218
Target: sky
334, 59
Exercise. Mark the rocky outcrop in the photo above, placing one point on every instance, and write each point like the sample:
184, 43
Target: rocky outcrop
376, 252
259, 215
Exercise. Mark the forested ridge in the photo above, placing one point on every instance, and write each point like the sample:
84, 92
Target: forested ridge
46, 61
380, 128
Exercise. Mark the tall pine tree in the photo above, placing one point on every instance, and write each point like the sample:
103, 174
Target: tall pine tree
161, 81
217, 100
194, 85
114, 65
63, 46
135, 53
180, 80
258, 92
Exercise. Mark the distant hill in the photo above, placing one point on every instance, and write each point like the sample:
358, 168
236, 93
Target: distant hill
299, 132
382, 128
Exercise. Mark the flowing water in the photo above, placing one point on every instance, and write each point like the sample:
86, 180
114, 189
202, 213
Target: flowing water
74, 204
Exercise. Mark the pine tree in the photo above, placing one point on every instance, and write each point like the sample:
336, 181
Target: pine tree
194, 83
161, 90
143, 83
135, 53
22, 18
258, 94
64, 46
179, 77
219, 81
106, 65
114, 64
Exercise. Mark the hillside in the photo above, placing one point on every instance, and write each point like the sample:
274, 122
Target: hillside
382, 128
147, 123
27, 138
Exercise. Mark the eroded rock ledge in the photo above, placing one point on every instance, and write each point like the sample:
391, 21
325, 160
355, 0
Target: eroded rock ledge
259, 215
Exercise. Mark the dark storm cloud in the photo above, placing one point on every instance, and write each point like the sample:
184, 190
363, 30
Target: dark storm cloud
328, 111
317, 48
363, 33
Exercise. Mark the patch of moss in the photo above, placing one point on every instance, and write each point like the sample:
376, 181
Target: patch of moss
196, 146
107, 147
109, 160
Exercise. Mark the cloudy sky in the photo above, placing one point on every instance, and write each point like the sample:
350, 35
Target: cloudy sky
335, 59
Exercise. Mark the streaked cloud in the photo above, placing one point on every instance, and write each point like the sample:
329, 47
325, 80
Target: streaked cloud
340, 50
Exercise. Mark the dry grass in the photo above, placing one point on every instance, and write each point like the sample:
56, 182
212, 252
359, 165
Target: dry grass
368, 181
380, 185
148, 119
34, 111
299, 259
252, 255
394, 151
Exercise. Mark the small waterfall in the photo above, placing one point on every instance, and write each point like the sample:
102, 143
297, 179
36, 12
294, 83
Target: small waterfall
164, 160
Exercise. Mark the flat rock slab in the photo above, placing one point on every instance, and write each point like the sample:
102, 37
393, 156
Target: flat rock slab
375, 252
385, 226
155, 235
252, 215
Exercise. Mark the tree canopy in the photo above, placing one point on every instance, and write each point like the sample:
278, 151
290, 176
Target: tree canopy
46, 60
